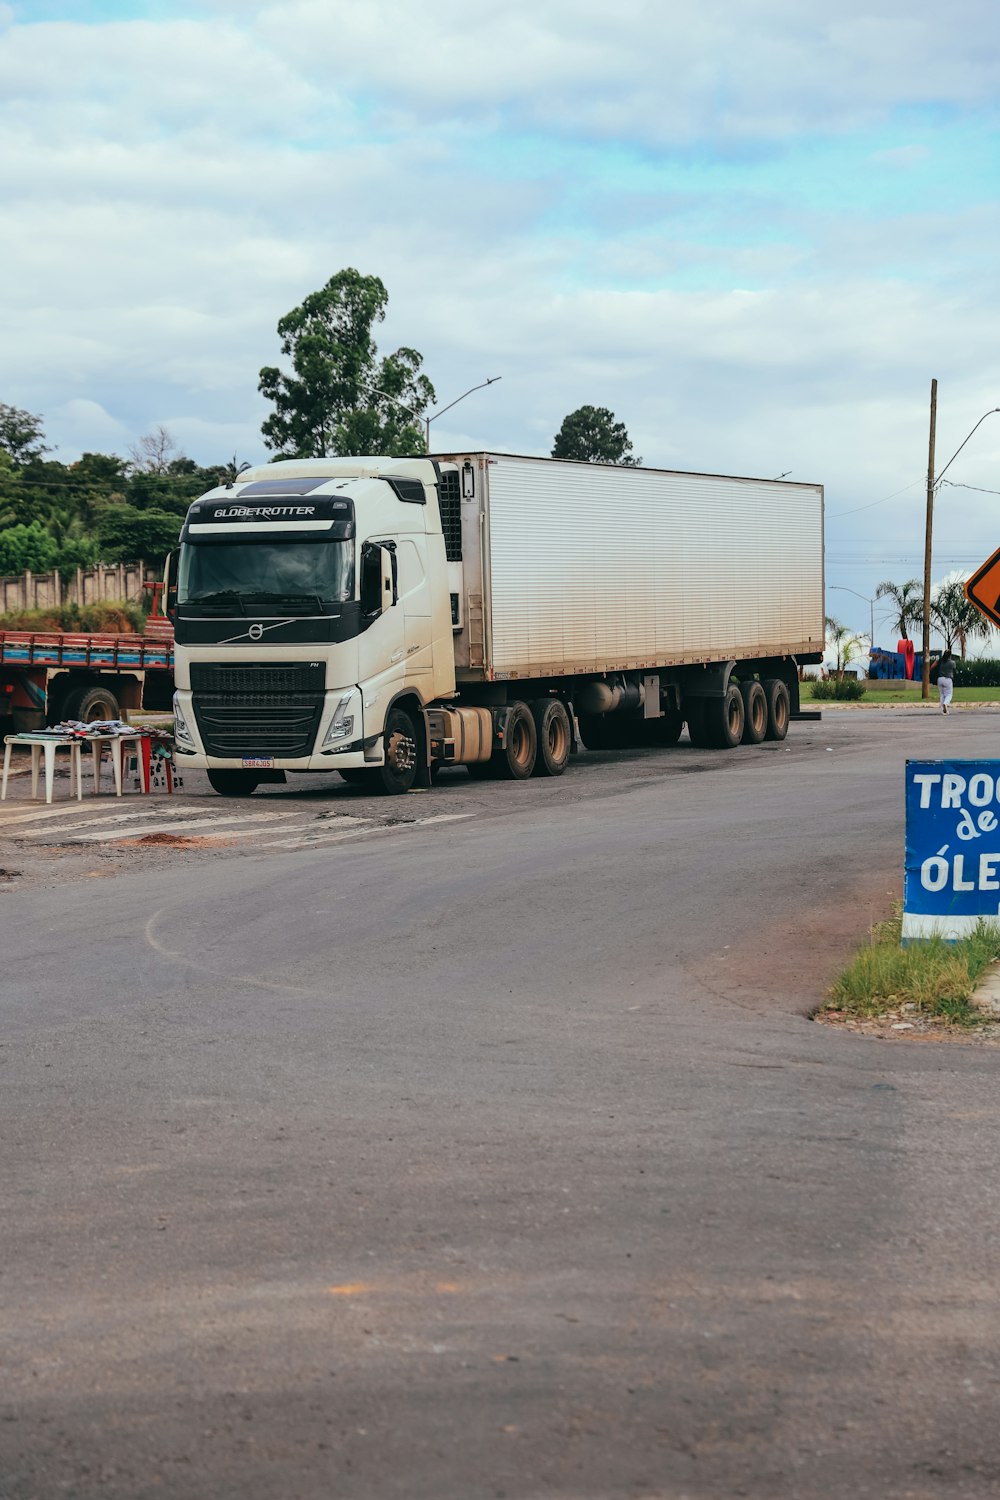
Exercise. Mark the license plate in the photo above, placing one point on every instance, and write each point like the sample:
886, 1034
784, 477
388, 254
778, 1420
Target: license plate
258, 762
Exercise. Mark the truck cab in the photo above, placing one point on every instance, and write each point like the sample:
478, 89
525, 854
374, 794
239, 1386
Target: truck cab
313, 621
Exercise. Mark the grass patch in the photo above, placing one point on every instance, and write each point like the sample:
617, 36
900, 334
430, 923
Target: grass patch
932, 978
850, 689
876, 697
118, 618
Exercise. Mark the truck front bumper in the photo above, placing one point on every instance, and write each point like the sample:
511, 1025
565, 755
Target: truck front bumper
339, 739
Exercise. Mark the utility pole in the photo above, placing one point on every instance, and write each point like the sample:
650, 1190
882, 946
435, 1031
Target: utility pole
925, 674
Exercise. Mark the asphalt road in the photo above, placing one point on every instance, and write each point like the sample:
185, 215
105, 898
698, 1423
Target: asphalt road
492, 1157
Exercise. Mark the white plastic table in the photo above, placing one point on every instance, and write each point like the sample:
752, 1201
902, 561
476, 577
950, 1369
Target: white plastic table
37, 744
117, 743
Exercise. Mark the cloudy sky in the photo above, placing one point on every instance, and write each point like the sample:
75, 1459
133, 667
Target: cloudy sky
754, 229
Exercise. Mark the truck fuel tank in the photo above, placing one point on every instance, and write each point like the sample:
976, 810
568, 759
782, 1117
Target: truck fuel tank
461, 736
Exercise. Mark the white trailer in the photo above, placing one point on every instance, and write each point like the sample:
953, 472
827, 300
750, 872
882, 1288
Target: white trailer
385, 617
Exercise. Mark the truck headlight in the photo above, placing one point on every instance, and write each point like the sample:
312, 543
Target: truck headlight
182, 733
342, 723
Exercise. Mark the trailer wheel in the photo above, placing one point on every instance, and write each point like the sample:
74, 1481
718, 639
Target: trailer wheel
553, 736
90, 704
779, 708
754, 712
402, 752
233, 783
722, 720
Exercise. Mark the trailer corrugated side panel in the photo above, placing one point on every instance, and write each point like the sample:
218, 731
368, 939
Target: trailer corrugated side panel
592, 567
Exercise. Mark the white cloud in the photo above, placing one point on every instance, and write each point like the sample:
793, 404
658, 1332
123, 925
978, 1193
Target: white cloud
168, 191
765, 69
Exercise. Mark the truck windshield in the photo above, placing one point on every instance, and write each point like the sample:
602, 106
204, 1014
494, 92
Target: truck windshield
290, 574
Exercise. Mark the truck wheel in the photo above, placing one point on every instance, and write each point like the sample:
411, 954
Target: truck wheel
516, 760
722, 720
754, 712
90, 704
553, 736
603, 731
779, 708
399, 772
233, 783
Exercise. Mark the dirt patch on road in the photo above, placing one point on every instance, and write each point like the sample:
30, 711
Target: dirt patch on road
178, 841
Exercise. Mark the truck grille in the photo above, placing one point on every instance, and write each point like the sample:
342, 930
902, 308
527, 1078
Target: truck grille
251, 709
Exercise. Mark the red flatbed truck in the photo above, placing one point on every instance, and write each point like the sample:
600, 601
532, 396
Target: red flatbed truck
50, 675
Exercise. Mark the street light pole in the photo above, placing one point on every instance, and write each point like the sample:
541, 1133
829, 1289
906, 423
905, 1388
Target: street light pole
932, 483
925, 667
871, 608
428, 420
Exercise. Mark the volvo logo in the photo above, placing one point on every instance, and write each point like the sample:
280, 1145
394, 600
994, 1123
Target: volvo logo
255, 632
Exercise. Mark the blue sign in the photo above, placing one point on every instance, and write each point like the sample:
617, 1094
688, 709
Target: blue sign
952, 847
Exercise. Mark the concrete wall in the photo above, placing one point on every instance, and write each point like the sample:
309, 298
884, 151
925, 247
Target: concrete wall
87, 586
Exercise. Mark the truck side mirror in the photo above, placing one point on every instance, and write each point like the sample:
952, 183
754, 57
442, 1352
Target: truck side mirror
378, 582
170, 584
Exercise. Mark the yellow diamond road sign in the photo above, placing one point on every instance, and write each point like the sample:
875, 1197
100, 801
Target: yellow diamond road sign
983, 589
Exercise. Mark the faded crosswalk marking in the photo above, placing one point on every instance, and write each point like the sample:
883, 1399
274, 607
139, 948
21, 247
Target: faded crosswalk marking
281, 827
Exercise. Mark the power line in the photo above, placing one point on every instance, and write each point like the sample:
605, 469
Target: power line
872, 504
977, 487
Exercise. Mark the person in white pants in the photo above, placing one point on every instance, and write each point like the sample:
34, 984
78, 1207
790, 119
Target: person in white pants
946, 679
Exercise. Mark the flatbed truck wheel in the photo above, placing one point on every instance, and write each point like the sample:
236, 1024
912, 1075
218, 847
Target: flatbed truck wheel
91, 704
779, 708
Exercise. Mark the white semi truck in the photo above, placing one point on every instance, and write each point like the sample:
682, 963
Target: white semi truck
388, 617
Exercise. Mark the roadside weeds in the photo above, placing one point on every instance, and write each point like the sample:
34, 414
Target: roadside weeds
931, 989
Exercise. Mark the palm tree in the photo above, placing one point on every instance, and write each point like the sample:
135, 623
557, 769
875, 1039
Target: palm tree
843, 642
957, 619
908, 601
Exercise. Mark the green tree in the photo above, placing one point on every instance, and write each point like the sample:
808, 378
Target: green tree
908, 604
174, 489
11, 490
77, 551
957, 619
21, 434
125, 533
27, 547
341, 398
843, 644
591, 435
